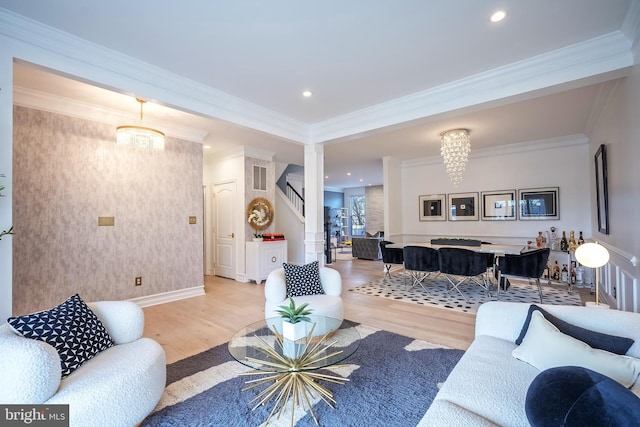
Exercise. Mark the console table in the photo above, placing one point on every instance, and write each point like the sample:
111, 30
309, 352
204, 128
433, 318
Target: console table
264, 257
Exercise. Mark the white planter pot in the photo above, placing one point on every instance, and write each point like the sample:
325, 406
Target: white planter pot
257, 239
294, 331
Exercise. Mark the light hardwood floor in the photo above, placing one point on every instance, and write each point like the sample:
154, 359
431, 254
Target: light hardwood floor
187, 327
193, 325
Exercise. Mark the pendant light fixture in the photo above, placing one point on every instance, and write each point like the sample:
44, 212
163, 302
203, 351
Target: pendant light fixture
455, 149
140, 136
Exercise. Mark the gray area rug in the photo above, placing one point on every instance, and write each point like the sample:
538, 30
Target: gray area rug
392, 382
437, 293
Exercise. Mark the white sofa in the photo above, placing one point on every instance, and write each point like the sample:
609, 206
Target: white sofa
488, 386
329, 304
120, 386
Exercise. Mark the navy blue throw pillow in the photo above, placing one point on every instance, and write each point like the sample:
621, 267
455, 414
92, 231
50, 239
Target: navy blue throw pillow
570, 396
302, 279
71, 328
611, 343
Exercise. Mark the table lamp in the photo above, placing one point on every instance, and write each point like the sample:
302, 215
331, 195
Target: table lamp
593, 255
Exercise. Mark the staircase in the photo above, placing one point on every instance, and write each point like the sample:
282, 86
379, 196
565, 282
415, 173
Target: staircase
297, 201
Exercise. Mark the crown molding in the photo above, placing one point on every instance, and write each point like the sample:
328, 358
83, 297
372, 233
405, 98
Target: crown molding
115, 71
259, 154
82, 110
631, 28
503, 150
586, 61
597, 56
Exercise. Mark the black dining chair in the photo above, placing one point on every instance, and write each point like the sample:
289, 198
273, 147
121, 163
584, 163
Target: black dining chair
420, 262
390, 256
491, 264
466, 265
528, 265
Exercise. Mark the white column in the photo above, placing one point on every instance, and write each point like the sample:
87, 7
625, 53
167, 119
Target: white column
6, 154
392, 184
314, 203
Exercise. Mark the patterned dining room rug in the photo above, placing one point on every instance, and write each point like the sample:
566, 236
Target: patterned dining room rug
438, 294
392, 381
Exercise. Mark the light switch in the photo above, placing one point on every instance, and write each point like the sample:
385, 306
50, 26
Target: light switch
108, 221
192, 220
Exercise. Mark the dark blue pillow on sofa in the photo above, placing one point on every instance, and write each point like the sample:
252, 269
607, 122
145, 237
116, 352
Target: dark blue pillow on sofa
611, 343
570, 396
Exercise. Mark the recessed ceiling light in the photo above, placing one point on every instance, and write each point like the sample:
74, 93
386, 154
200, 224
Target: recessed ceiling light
498, 16
348, 173
207, 146
307, 94
326, 177
361, 180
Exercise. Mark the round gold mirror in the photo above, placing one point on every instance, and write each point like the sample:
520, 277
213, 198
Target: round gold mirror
259, 213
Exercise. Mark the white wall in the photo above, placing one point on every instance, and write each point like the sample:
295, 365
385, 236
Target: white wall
291, 226
619, 129
557, 163
392, 175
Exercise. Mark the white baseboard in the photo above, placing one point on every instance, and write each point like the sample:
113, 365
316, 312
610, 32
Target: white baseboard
170, 296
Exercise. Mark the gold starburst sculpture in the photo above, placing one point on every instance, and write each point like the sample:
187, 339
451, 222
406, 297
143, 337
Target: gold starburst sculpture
293, 379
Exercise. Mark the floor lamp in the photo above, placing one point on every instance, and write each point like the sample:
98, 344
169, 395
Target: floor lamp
593, 255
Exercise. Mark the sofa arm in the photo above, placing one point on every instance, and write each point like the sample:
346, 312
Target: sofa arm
331, 281
502, 320
30, 370
124, 320
275, 288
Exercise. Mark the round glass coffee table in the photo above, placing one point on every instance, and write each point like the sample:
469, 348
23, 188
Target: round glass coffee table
290, 369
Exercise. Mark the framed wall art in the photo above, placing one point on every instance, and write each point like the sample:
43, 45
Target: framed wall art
498, 205
602, 191
539, 203
463, 206
433, 207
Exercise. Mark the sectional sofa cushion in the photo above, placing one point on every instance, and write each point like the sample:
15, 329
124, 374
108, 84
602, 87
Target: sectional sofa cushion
575, 396
612, 343
71, 328
544, 347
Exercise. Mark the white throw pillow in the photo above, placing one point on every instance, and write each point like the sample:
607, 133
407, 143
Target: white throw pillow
544, 347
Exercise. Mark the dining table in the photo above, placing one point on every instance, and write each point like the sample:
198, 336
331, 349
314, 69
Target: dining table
498, 250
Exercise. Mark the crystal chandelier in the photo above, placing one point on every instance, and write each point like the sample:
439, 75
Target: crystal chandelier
455, 149
140, 136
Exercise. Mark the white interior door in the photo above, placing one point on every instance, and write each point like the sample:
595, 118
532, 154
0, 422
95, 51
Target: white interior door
224, 196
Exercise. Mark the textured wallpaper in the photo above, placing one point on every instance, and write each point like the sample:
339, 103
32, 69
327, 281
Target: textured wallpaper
68, 172
250, 193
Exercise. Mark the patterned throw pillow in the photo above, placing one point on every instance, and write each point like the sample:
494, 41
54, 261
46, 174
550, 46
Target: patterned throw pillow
71, 328
302, 279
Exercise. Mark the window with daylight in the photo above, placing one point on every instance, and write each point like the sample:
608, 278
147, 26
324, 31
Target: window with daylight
358, 219
259, 178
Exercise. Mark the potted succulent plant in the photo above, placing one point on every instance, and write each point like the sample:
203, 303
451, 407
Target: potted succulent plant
257, 237
295, 320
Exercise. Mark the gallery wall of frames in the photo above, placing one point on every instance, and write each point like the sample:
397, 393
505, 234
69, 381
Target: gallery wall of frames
527, 204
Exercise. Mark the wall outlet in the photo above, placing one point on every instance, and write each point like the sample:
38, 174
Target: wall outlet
192, 220
138, 281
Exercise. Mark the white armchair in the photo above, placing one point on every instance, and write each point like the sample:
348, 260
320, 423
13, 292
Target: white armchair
119, 386
329, 304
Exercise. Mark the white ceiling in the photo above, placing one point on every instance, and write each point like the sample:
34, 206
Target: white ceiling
353, 55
